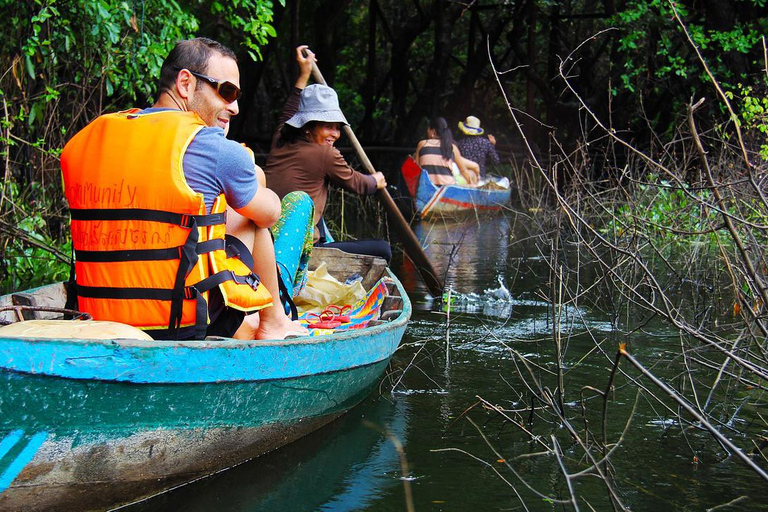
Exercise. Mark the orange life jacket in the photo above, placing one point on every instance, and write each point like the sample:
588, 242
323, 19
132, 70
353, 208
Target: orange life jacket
146, 252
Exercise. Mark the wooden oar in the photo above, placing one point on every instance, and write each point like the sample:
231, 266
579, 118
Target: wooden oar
410, 243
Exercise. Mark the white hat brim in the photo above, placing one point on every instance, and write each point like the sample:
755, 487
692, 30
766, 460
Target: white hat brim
301, 118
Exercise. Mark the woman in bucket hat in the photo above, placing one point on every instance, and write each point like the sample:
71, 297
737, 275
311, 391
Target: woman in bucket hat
474, 146
438, 155
303, 157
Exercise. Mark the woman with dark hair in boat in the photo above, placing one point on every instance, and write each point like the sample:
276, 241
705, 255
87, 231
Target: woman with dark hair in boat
303, 156
437, 155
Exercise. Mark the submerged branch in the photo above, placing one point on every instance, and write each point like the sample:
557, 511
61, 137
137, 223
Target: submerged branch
693, 412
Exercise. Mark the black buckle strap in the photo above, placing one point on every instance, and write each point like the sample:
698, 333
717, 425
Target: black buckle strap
251, 280
207, 284
210, 246
201, 311
201, 315
177, 219
232, 251
188, 293
171, 253
188, 258
71, 301
216, 279
103, 292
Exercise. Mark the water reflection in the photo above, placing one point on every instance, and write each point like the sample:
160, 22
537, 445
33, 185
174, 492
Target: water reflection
344, 466
380, 467
469, 253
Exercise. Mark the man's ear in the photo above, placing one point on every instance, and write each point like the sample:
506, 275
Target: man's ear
185, 84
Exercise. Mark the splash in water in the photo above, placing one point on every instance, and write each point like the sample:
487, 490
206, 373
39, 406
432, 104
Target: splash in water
493, 302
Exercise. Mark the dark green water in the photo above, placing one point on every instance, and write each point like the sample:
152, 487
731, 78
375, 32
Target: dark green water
457, 451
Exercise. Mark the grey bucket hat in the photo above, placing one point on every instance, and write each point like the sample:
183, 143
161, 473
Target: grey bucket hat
317, 103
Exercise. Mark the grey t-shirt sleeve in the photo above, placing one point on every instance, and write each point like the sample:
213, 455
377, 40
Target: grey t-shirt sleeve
214, 164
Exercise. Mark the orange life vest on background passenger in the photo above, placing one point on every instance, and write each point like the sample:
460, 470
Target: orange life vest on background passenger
146, 252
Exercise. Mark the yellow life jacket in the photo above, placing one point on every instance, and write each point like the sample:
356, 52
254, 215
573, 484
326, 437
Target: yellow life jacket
146, 252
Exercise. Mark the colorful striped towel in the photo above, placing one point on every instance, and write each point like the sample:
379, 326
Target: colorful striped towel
363, 311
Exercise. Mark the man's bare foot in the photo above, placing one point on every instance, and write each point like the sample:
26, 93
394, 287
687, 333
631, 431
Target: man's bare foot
275, 325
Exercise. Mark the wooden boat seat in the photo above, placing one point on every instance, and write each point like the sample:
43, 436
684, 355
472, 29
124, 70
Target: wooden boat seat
343, 265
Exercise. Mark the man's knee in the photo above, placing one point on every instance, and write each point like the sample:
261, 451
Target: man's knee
240, 226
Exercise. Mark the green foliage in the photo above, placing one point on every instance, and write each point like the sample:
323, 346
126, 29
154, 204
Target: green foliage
665, 213
109, 45
753, 116
32, 254
655, 50
674, 217
255, 26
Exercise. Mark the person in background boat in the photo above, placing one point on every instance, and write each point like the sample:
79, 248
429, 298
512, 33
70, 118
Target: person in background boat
150, 191
474, 146
438, 154
303, 156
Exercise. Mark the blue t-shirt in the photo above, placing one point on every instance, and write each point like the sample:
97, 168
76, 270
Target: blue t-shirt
214, 164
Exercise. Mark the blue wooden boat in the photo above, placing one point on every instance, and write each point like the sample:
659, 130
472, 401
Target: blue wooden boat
91, 424
447, 200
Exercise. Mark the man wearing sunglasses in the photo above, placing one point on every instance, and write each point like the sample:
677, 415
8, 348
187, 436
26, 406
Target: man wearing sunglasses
146, 190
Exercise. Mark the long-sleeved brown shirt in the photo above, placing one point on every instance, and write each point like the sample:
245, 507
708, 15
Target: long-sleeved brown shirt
304, 165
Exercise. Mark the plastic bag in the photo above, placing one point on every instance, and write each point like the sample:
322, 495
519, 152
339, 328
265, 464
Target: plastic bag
323, 289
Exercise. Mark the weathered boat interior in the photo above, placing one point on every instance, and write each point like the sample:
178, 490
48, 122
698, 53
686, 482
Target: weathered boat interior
48, 302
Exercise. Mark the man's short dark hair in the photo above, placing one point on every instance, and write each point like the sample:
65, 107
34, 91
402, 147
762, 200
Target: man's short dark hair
191, 54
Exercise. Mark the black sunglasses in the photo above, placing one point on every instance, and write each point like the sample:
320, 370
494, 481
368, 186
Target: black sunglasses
227, 90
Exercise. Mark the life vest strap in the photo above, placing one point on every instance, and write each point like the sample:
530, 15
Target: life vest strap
188, 292
201, 310
170, 253
216, 279
196, 292
177, 219
211, 245
103, 292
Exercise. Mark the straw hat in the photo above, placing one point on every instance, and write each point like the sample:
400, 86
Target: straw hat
317, 103
471, 126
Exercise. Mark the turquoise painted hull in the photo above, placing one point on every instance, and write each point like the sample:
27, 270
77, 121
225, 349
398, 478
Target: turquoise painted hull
449, 200
92, 424
179, 362
108, 443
